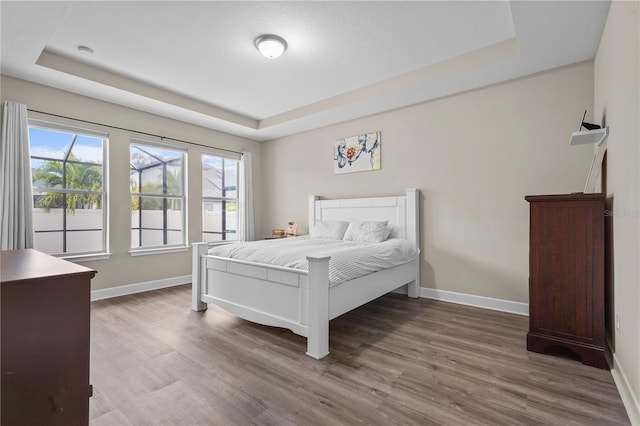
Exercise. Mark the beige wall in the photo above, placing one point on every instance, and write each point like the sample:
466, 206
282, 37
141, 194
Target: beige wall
122, 268
617, 93
474, 156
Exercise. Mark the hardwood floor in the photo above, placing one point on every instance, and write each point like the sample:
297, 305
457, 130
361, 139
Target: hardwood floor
393, 361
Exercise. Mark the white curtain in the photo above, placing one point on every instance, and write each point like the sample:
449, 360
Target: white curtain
246, 230
16, 202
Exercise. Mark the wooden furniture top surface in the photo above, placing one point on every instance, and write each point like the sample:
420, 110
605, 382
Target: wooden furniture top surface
29, 265
566, 197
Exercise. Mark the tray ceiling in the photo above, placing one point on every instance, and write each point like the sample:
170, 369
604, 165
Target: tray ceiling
196, 62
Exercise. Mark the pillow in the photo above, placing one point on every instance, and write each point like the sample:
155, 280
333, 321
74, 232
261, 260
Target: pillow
333, 229
372, 231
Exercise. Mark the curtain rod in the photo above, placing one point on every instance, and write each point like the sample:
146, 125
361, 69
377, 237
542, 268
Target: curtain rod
134, 131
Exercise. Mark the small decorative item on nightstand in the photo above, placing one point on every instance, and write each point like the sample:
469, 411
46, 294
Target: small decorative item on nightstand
275, 234
292, 229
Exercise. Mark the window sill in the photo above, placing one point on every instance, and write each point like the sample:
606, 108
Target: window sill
158, 250
86, 257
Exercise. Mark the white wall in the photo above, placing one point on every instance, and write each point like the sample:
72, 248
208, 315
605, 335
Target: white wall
474, 156
122, 268
617, 93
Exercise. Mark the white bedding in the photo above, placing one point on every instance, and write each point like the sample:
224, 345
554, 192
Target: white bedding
349, 259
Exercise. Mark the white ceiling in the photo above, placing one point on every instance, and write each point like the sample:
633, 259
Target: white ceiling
196, 62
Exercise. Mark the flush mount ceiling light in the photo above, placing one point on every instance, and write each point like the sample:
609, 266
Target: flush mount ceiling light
271, 46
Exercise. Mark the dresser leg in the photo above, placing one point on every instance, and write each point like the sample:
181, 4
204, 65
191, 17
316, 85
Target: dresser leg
589, 355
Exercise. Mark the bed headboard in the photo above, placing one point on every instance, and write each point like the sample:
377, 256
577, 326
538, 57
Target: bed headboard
402, 212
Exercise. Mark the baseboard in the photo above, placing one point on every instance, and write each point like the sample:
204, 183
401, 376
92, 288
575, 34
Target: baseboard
512, 307
629, 398
123, 290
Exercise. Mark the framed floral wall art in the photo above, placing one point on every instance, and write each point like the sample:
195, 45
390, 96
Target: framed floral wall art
357, 153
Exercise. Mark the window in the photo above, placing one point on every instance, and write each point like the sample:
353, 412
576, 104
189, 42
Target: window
68, 173
219, 198
157, 196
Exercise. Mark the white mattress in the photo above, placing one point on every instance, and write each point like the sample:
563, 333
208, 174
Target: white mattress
349, 259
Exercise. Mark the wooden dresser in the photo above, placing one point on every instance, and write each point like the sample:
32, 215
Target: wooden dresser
566, 275
45, 328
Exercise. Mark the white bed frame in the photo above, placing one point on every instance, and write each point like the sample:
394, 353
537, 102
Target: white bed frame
299, 300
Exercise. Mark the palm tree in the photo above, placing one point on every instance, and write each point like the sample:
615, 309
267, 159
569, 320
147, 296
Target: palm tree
77, 176
174, 186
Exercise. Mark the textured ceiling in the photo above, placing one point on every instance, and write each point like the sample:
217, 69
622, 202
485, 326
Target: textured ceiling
195, 61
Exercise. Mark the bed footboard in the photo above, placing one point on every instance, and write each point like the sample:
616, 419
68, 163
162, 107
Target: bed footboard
309, 318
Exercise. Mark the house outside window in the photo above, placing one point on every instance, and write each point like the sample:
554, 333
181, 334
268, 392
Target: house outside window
219, 198
158, 201
68, 167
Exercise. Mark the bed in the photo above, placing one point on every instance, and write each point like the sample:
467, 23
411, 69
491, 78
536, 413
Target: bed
303, 301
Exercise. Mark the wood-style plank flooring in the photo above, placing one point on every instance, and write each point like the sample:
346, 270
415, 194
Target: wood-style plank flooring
393, 361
